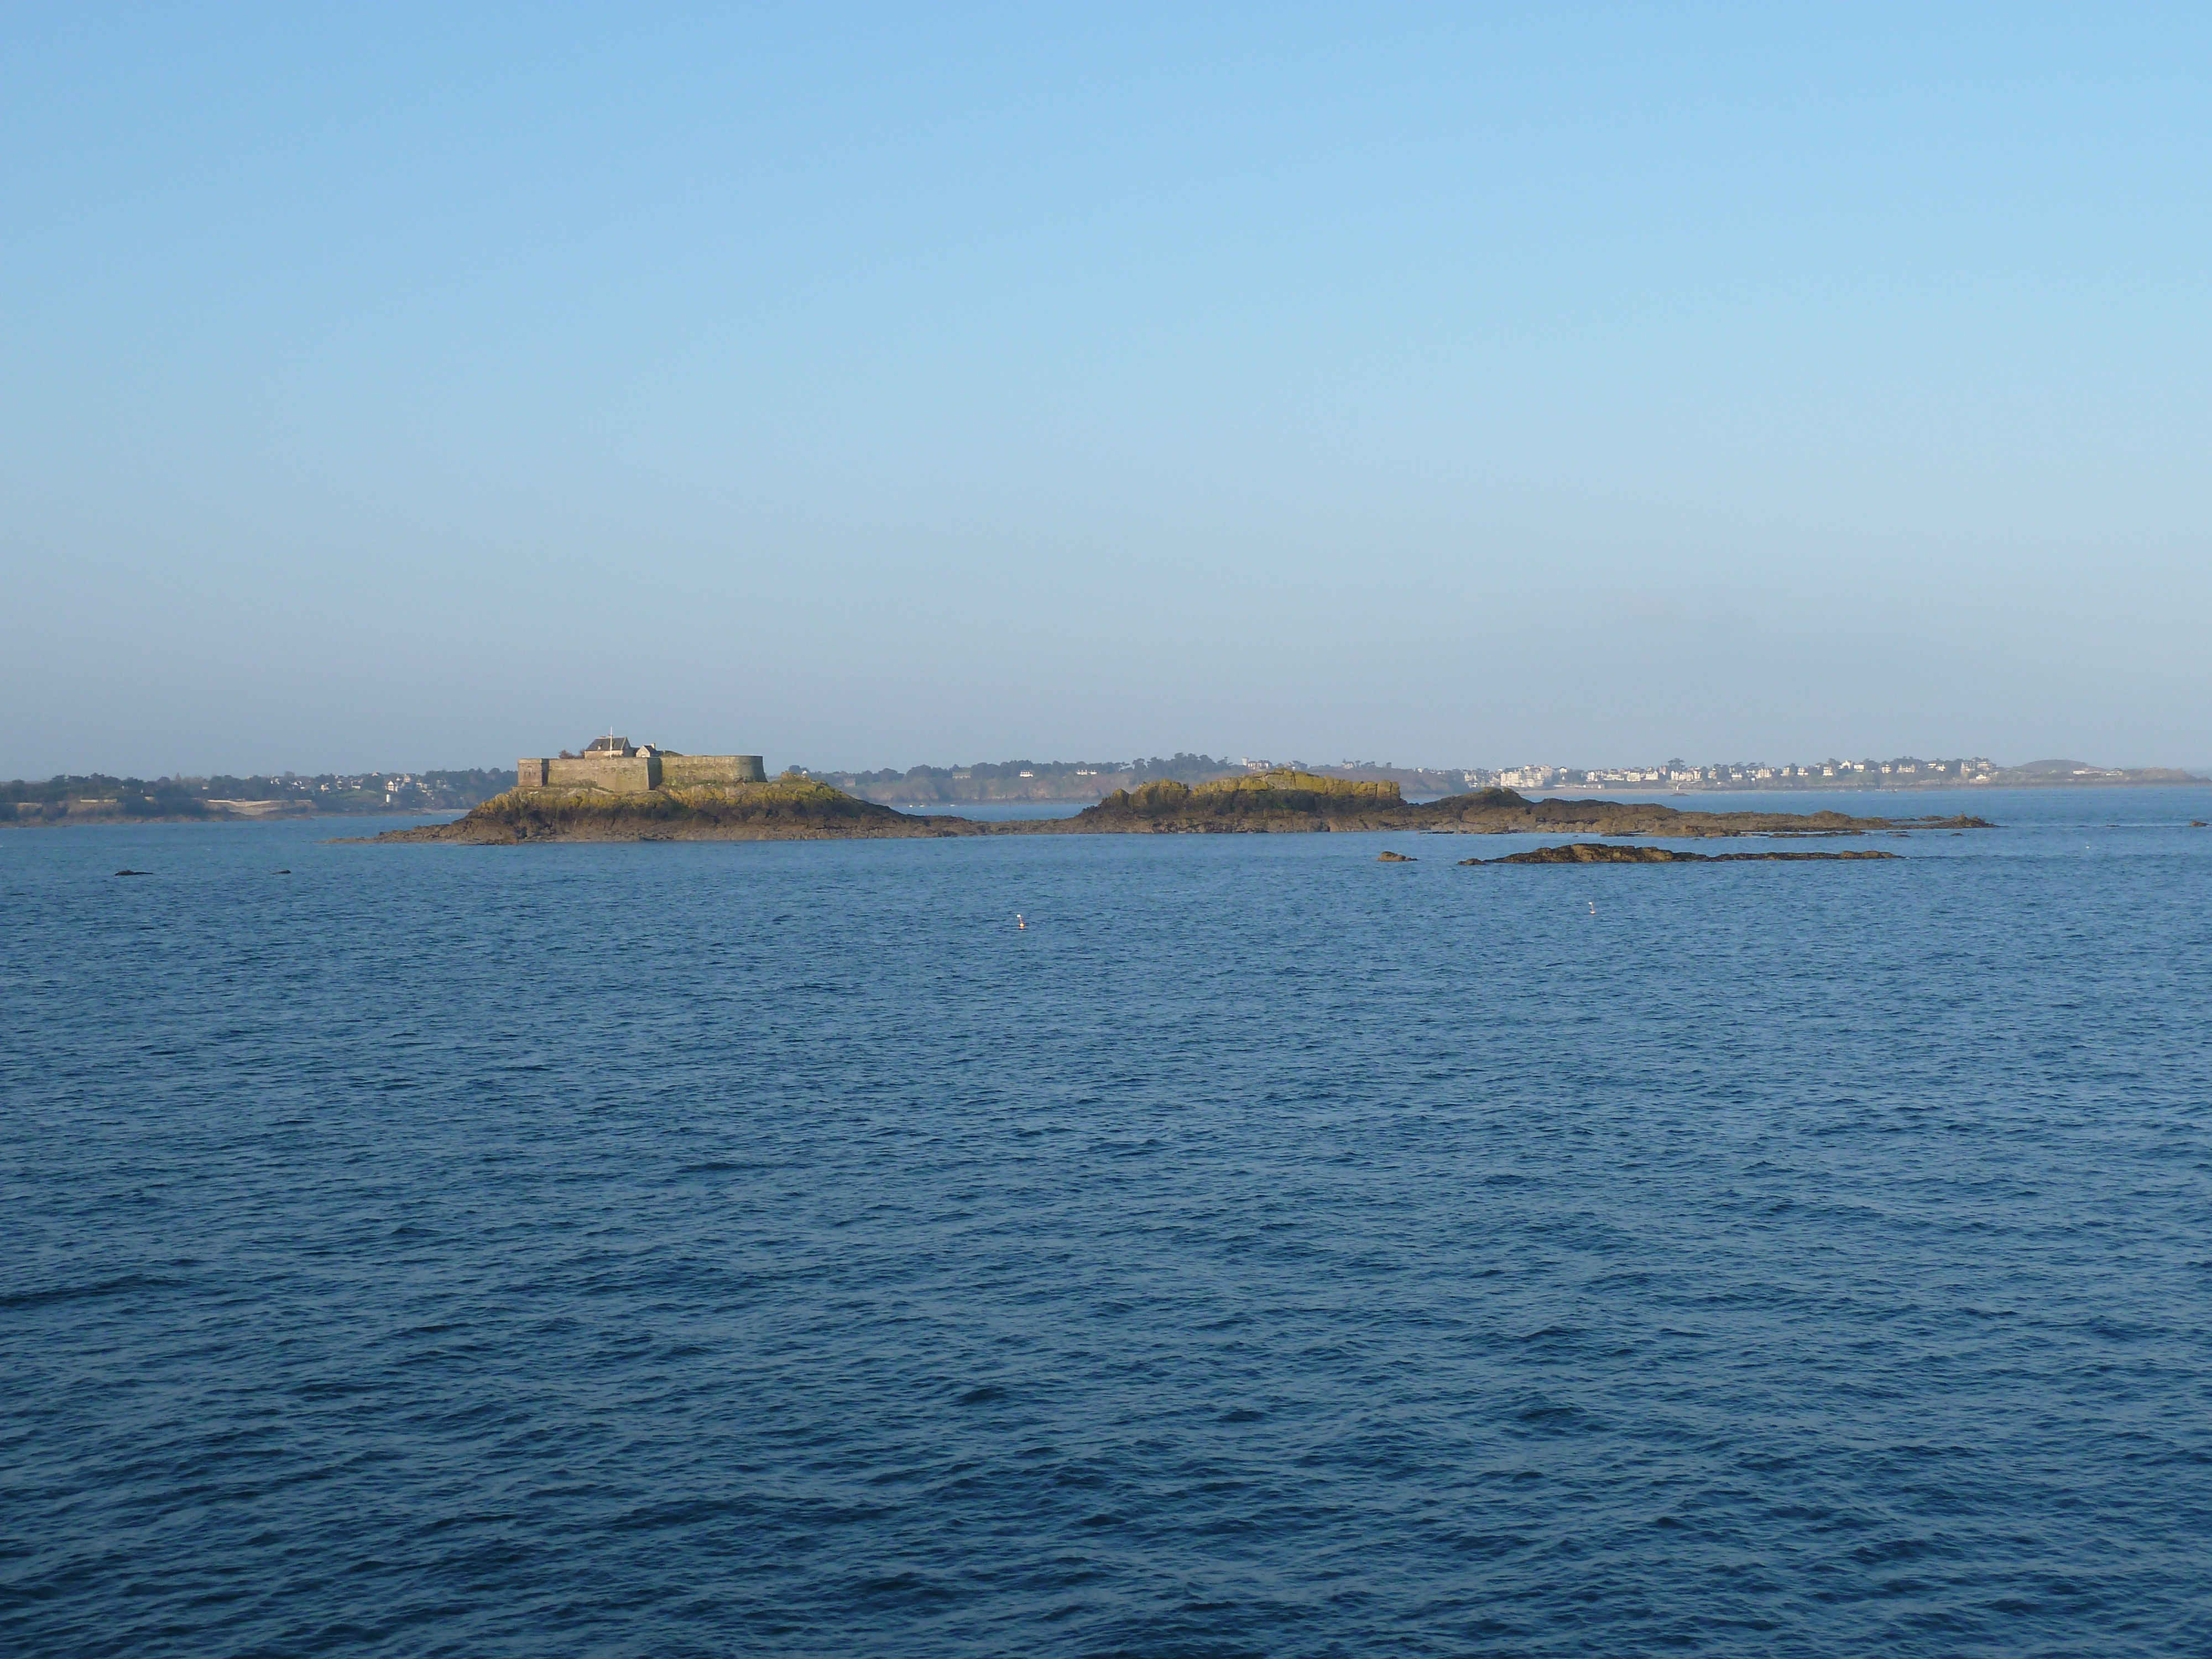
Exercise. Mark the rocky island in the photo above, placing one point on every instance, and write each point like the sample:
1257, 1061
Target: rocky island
781, 809
1294, 801
620, 793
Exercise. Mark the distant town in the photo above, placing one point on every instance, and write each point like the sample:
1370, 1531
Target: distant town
1753, 774
1901, 772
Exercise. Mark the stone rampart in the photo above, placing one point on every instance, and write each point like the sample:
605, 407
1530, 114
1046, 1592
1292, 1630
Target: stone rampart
701, 771
618, 774
634, 774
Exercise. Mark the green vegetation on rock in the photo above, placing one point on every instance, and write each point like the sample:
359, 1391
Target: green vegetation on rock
1281, 800
1284, 781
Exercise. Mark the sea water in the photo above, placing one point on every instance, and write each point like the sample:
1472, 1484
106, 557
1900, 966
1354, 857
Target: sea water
771, 1249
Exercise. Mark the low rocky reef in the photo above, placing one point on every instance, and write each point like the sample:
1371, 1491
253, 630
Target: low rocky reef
795, 808
1597, 852
1501, 812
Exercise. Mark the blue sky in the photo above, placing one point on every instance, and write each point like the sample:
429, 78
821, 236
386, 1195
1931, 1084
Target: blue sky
406, 386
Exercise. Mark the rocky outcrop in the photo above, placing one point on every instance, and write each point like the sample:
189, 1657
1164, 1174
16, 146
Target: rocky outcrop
1597, 852
1278, 801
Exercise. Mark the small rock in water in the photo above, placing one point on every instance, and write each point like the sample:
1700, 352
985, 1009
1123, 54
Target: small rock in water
1597, 852
1386, 857
134, 872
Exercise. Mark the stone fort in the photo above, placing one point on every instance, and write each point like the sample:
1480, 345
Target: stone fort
623, 768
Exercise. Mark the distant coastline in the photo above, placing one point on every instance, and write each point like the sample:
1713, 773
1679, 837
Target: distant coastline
2042, 774
1008, 782
93, 798
1831, 777
98, 798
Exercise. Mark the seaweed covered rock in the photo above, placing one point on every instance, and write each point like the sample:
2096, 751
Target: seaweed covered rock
1598, 852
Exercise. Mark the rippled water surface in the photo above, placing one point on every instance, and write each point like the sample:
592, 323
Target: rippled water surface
769, 1249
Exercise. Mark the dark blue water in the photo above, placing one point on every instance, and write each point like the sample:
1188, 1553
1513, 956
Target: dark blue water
714, 1249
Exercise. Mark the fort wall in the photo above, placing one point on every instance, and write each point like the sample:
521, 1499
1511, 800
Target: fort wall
634, 774
620, 775
696, 771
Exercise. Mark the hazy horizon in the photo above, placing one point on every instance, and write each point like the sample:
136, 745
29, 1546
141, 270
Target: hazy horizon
841, 384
